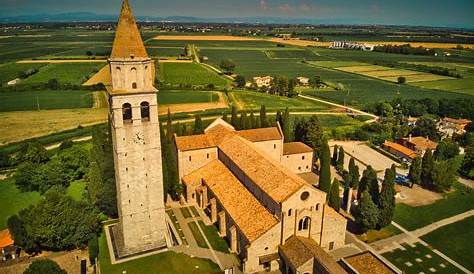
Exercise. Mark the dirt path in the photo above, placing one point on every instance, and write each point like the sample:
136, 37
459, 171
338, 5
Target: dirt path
179, 108
81, 139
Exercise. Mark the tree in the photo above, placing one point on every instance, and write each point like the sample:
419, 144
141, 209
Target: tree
414, 173
340, 160
401, 80
4, 159
32, 152
198, 127
291, 88
233, 118
444, 174
44, 266
334, 199
240, 81
314, 135
53, 84
244, 121
285, 124
467, 166
334, 155
325, 170
253, 121
367, 213
263, 117
354, 173
93, 246
66, 144
227, 66
368, 182
169, 127
427, 167
426, 127
387, 198
315, 81
446, 149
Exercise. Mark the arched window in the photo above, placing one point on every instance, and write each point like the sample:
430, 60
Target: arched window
304, 223
289, 212
145, 111
300, 225
134, 85
317, 207
134, 78
127, 113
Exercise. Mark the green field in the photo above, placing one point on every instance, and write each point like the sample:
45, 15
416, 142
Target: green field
253, 100
291, 54
164, 263
458, 245
11, 71
169, 97
406, 260
213, 237
46, 99
13, 200
189, 74
67, 73
455, 202
201, 242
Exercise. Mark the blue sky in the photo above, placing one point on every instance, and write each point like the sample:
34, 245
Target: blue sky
410, 12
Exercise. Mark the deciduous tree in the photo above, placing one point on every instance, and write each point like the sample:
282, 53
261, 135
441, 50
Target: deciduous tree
44, 266
367, 212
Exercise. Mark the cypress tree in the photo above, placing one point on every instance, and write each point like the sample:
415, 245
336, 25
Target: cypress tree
253, 122
367, 182
286, 125
367, 215
263, 117
340, 160
178, 129
233, 118
374, 186
415, 171
335, 153
198, 127
325, 170
334, 199
169, 127
427, 167
387, 198
354, 171
278, 118
244, 121
315, 136
225, 118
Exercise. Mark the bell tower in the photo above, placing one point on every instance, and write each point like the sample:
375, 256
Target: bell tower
133, 111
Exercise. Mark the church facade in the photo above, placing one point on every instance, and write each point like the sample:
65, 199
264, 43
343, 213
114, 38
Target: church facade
133, 116
247, 182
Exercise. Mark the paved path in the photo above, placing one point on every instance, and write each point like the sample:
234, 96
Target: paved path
466, 182
429, 228
81, 139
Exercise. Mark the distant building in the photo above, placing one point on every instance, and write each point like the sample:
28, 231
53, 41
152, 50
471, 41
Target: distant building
7, 249
13, 82
418, 144
449, 126
351, 45
304, 81
411, 121
264, 81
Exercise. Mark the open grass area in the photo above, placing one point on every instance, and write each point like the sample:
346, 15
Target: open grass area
458, 245
164, 263
185, 212
419, 259
375, 235
71, 73
459, 200
77, 190
177, 226
201, 242
13, 200
189, 74
21, 125
12, 71
169, 97
291, 54
44, 100
253, 100
213, 237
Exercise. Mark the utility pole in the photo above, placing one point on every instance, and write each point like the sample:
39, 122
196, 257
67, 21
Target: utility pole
37, 103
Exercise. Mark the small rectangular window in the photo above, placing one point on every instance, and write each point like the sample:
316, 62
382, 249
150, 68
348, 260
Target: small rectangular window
208, 156
190, 158
302, 158
331, 245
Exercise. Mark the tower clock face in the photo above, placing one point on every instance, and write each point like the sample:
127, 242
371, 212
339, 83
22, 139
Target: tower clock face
139, 138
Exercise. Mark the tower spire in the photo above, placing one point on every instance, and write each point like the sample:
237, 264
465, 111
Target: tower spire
128, 41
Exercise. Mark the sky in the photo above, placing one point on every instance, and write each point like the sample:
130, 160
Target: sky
393, 12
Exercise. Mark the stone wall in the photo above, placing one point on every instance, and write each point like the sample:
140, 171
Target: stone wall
298, 163
189, 161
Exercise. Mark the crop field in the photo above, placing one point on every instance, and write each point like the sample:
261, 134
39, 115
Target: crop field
72, 73
165, 51
16, 51
189, 74
11, 71
22, 125
170, 97
291, 54
210, 43
253, 100
44, 99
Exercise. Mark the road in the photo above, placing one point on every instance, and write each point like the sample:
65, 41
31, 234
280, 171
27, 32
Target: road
81, 139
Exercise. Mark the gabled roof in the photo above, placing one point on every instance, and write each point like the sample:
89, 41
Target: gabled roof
421, 143
296, 148
402, 149
251, 217
5, 238
128, 41
367, 263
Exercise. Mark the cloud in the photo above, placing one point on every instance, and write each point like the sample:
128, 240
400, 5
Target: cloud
264, 5
286, 9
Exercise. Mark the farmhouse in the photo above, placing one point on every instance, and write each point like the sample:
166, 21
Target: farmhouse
248, 183
7, 249
418, 144
449, 126
304, 81
400, 151
264, 81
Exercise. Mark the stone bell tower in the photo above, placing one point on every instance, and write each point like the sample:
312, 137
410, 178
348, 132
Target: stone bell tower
136, 142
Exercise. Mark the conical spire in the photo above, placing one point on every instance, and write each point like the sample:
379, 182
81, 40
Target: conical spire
128, 41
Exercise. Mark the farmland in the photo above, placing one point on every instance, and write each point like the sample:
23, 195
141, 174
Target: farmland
188, 74
44, 99
169, 97
71, 73
11, 71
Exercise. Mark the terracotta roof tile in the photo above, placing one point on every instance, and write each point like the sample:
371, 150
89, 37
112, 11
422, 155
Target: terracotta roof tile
251, 217
128, 40
402, 149
5, 238
260, 134
268, 175
367, 263
422, 143
296, 148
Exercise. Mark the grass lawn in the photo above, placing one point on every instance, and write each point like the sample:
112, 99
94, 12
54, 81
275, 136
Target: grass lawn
13, 200
252, 100
163, 263
195, 212
375, 235
11, 71
457, 245
76, 190
185, 212
216, 241
459, 200
72, 73
169, 97
197, 235
177, 226
189, 74
406, 260
45, 99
